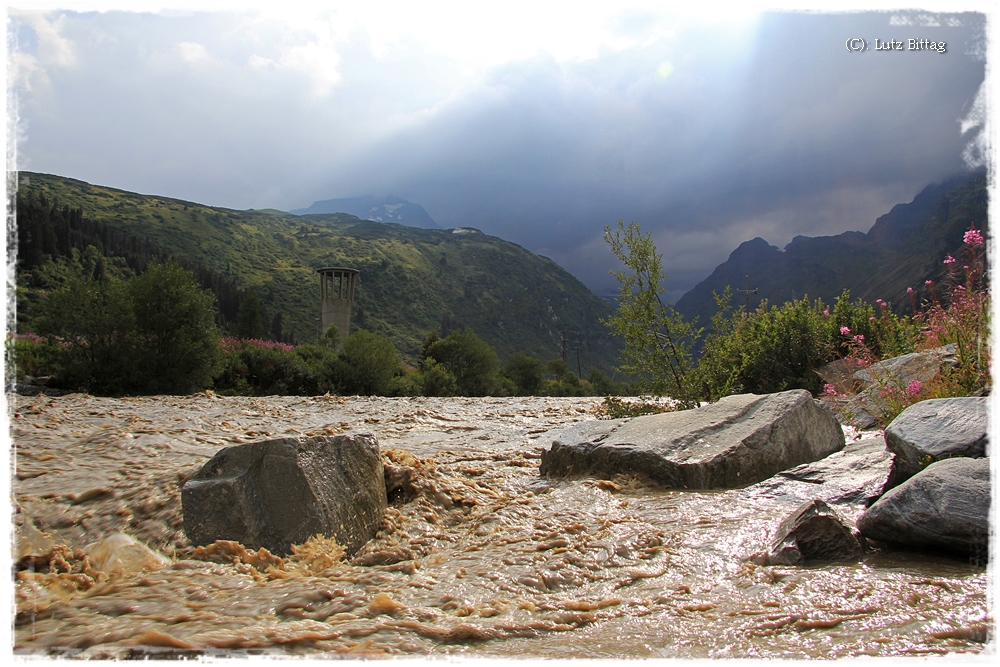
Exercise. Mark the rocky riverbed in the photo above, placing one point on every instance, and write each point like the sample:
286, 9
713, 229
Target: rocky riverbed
478, 554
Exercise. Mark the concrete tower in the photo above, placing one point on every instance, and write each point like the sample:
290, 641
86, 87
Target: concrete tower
336, 294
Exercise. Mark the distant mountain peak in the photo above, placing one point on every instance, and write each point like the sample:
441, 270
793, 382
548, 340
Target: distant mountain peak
902, 249
373, 207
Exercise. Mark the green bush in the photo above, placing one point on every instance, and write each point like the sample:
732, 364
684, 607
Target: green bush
527, 374
470, 359
775, 348
262, 368
177, 342
152, 334
370, 362
436, 380
605, 386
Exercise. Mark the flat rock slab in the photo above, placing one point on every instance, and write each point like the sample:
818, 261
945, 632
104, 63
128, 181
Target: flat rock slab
277, 493
737, 441
936, 429
814, 532
856, 475
945, 506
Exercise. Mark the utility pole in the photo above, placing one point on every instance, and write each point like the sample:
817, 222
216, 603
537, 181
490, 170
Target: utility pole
748, 292
565, 344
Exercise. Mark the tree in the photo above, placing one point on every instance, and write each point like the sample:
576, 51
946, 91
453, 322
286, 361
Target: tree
91, 325
249, 323
153, 334
177, 346
331, 337
371, 362
527, 374
276, 328
469, 358
657, 339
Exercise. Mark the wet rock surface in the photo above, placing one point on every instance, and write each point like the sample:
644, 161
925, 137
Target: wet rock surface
737, 441
814, 532
936, 429
277, 493
477, 556
945, 506
856, 475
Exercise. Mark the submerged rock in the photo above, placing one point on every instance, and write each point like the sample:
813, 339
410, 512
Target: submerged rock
121, 554
734, 442
933, 430
945, 506
277, 493
856, 475
812, 533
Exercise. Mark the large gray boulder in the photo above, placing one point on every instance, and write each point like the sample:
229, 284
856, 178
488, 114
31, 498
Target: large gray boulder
867, 409
814, 532
933, 430
945, 506
277, 493
732, 443
856, 475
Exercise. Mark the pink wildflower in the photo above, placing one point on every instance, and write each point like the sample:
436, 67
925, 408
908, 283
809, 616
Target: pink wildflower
973, 238
860, 338
909, 290
826, 313
914, 387
949, 260
928, 282
871, 319
845, 331
829, 390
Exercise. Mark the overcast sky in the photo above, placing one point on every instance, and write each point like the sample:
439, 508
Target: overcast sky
536, 122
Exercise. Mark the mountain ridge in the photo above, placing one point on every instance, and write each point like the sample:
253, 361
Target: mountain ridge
371, 207
412, 280
903, 248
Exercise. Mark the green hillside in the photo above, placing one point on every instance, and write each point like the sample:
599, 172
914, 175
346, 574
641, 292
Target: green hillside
412, 280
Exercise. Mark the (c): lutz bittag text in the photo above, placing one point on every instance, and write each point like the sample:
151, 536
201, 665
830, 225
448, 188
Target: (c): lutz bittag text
910, 45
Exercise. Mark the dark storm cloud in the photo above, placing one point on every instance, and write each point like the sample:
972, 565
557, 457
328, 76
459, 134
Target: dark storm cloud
778, 132
706, 133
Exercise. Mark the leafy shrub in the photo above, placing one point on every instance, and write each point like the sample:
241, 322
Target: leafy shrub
177, 342
436, 380
617, 408
605, 386
775, 348
31, 355
370, 362
152, 334
526, 373
262, 368
470, 359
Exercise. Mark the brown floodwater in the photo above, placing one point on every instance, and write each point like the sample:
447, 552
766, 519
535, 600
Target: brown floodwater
481, 558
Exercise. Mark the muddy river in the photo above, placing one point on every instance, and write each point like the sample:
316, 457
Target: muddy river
484, 559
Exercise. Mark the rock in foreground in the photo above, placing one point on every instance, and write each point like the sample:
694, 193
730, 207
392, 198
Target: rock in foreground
933, 430
281, 492
856, 475
946, 506
812, 533
732, 443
